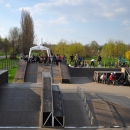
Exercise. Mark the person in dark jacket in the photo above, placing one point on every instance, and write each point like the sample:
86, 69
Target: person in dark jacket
99, 59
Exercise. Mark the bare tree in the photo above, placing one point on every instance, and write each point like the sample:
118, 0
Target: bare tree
15, 40
27, 27
14, 37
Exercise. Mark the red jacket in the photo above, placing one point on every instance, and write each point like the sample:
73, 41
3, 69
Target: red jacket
60, 57
111, 77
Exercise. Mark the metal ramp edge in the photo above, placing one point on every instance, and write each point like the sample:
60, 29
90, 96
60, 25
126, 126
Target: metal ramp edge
59, 117
52, 105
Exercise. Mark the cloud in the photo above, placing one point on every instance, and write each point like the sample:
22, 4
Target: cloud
8, 5
126, 22
107, 9
2, 28
112, 13
56, 21
120, 10
58, 3
60, 20
40, 22
66, 30
79, 10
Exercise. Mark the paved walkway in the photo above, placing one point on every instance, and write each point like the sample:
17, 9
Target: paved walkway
88, 86
3, 57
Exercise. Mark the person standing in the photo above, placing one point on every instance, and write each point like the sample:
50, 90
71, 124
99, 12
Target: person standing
119, 60
57, 59
71, 58
79, 60
124, 61
99, 59
92, 62
76, 60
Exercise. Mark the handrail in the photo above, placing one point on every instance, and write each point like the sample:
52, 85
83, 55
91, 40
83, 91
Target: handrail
82, 95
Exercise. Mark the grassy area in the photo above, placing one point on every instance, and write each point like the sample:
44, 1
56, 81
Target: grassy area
11, 74
2, 54
11, 66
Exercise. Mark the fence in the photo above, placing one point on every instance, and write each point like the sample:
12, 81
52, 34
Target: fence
104, 64
6, 65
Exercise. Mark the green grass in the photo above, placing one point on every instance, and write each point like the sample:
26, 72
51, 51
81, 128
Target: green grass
3, 62
11, 74
11, 71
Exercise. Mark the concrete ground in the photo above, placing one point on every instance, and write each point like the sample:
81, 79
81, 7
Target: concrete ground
72, 100
88, 85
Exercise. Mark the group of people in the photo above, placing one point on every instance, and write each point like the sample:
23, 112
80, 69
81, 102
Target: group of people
109, 80
121, 62
39, 59
99, 59
77, 60
54, 59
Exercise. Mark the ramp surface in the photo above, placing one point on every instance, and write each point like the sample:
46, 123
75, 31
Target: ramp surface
31, 73
75, 114
20, 106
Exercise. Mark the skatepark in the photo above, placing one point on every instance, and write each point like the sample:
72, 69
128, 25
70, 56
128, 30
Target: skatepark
61, 97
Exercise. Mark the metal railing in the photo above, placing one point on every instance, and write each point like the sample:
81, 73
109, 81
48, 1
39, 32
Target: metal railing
88, 110
6, 65
104, 64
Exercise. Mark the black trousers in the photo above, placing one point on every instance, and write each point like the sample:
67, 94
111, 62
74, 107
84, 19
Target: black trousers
92, 63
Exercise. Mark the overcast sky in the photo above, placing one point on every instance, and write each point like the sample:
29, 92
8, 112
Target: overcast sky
72, 20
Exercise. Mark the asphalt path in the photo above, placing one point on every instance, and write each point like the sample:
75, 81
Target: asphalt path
3, 57
93, 87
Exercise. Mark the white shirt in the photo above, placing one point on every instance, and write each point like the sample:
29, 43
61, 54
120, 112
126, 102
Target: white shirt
93, 60
102, 76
